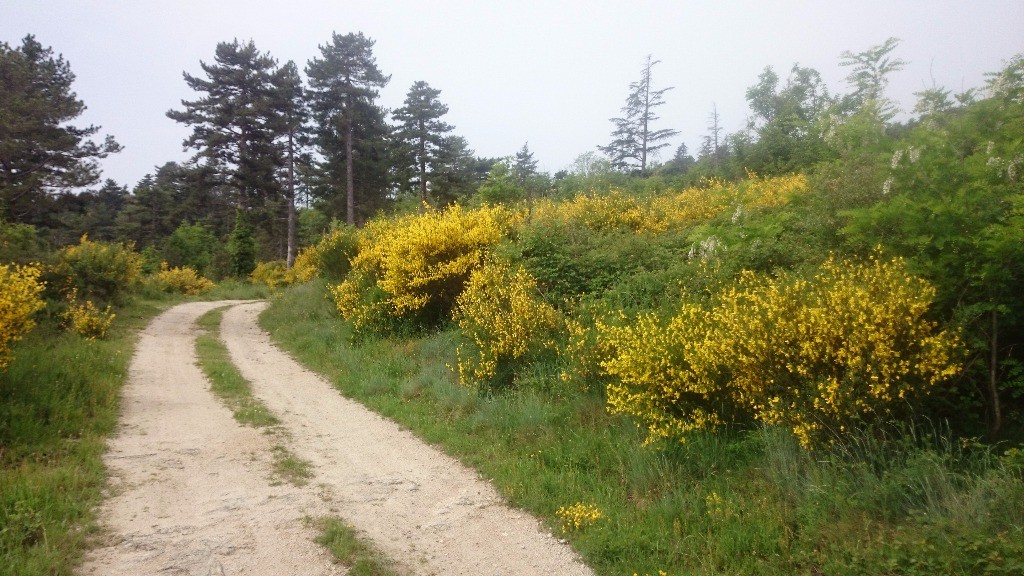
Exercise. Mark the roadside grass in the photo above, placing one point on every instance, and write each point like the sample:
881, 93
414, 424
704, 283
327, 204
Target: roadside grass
352, 550
731, 503
59, 400
232, 289
233, 389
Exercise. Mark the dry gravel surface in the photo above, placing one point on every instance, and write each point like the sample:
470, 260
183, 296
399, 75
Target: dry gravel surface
192, 492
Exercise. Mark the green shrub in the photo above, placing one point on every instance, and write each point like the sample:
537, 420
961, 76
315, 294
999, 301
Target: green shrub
99, 270
190, 245
330, 258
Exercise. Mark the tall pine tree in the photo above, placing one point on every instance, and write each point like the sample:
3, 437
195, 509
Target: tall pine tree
421, 133
343, 85
634, 138
40, 153
234, 124
292, 116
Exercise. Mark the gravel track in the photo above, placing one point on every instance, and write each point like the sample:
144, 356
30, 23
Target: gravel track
192, 491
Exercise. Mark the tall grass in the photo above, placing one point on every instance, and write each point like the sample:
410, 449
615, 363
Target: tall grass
749, 502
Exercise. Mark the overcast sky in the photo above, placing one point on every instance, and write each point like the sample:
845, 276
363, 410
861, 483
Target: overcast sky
549, 72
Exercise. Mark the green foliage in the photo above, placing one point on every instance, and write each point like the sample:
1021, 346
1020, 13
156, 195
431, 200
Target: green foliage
41, 150
751, 503
501, 186
343, 84
635, 142
101, 271
191, 245
20, 243
422, 135
330, 258
242, 247
238, 99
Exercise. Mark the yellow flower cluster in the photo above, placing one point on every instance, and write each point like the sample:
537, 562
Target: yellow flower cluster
578, 516
755, 192
718, 509
85, 319
664, 373
662, 212
504, 318
815, 354
271, 274
20, 299
328, 258
606, 211
183, 280
101, 269
417, 263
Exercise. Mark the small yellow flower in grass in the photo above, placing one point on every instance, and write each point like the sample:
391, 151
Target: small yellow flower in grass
85, 319
579, 515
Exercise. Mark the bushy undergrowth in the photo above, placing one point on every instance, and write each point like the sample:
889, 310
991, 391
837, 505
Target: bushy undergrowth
180, 280
413, 268
272, 274
824, 355
100, 271
504, 320
881, 500
330, 258
20, 299
84, 318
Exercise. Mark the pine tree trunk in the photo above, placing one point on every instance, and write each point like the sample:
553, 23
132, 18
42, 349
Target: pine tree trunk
350, 181
423, 169
290, 261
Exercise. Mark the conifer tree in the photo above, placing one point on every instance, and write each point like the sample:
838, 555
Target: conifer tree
421, 132
525, 164
344, 83
234, 123
292, 116
634, 138
40, 153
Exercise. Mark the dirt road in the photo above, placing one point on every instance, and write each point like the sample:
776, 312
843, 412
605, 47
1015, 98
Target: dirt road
193, 493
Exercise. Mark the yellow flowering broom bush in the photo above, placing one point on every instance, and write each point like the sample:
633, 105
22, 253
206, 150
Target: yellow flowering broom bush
86, 319
101, 270
20, 298
415, 266
504, 319
183, 280
328, 258
673, 210
271, 274
818, 355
